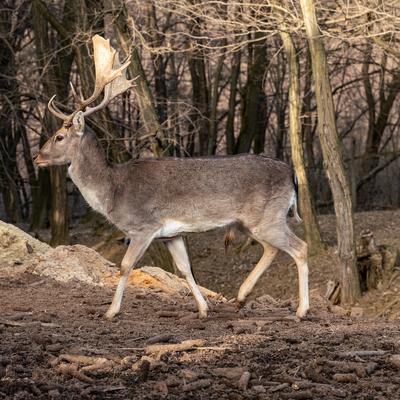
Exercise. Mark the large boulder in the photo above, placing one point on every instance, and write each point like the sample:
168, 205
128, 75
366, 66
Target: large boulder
20, 252
72, 263
16, 246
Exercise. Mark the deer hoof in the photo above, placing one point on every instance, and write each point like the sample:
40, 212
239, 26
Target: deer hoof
109, 315
240, 303
301, 312
203, 314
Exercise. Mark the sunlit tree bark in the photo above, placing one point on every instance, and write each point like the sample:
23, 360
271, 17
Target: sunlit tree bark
307, 209
332, 153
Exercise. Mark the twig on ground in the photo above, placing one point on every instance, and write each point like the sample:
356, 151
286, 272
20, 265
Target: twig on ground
168, 348
200, 384
72, 370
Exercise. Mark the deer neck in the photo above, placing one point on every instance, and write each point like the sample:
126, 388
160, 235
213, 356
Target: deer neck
92, 174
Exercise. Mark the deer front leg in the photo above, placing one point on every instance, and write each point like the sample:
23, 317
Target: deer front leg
135, 251
179, 254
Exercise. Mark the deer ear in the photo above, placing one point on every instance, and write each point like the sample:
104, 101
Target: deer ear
79, 123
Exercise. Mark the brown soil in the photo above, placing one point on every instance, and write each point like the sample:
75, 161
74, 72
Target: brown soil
45, 324
316, 358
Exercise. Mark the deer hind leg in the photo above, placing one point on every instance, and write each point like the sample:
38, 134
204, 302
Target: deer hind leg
179, 254
281, 237
265, 261
135, 251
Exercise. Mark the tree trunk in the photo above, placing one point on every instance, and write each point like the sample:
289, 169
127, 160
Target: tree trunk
9, 135
254, 117
280, 103
307, 209
377, 121
56, 74
230, 123
201, 112
212, 143
306, 128
159, 65
332, 153
144, 96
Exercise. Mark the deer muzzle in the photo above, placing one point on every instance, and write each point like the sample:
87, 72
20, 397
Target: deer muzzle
40, 161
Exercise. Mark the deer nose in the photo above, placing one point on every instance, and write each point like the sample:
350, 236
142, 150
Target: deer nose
38, 159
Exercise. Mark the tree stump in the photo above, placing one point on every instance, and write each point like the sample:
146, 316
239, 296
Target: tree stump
375, 265
375, 262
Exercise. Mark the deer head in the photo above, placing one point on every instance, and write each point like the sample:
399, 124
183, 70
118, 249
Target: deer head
110, 80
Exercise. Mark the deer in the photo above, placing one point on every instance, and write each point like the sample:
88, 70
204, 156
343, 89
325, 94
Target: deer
165, 198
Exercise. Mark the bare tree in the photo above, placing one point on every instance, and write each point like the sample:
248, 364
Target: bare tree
308, 213
332, 152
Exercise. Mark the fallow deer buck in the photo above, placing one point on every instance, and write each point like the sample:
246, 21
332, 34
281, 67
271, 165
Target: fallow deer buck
163, 198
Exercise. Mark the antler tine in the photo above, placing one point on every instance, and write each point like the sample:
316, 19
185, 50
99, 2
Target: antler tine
77, 97
104, 59
56, 111
115, 87
110, 77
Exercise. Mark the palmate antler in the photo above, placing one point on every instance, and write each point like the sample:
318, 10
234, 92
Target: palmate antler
110, 78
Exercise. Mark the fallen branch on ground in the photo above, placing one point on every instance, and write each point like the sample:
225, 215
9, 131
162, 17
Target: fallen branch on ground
32, 323
169, 348
72, 370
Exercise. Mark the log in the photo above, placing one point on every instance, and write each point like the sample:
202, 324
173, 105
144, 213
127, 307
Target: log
200, 384
32, 323
79, 359
363, 353
304, 394
169, 348
165, 337
278, 388
345, 378
72, 370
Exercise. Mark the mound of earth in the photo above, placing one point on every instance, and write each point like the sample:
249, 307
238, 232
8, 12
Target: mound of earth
16, 246
78, 263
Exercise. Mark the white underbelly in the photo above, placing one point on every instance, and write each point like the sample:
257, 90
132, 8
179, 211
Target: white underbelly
173, 228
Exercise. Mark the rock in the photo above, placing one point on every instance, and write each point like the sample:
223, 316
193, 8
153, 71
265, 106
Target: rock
356, 312
395, 360
200, 384
339, 311
172, 380
17, 246
69, 263
259, 389
244, 380
53, 394
345, 378
80, 263
54, 348
161, 388
233, 373
189, 375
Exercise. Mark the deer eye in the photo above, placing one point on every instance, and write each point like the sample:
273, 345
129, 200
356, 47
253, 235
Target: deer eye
59, 138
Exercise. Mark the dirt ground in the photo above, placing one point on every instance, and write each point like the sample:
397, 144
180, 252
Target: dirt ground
56, 345
324, 357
